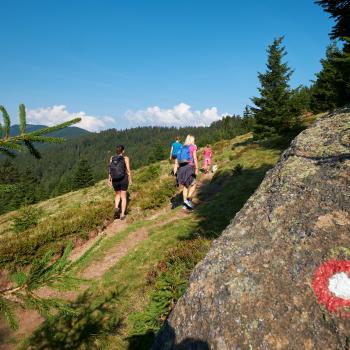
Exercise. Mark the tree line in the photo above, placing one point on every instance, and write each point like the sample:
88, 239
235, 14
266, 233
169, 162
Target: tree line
278, 108
276, 111
83, 161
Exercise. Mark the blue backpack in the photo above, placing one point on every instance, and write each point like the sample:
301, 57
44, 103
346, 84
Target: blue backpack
184, 154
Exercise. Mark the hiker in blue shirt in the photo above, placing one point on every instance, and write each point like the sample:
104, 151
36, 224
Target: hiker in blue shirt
175, 147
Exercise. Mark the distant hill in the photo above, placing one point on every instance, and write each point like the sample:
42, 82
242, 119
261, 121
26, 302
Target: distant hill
67, 133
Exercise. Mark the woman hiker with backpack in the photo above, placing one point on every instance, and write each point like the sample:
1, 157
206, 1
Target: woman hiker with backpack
120, 178
188, 170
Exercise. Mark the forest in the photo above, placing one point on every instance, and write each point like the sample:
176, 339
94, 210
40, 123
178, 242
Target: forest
276, 114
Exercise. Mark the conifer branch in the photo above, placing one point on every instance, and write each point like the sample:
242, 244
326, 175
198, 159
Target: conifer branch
55, 128
22, 119
7, 122
43, 273
25, 140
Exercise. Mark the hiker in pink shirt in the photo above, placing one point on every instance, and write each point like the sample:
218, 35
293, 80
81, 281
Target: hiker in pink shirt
207, 153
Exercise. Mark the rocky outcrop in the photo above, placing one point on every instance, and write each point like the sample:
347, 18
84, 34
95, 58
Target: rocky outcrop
266, 282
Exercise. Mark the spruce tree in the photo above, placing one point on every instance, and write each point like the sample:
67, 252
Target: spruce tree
10, 194
157, 154
248, 119
327, 90
83, 175
340, 11
271, 111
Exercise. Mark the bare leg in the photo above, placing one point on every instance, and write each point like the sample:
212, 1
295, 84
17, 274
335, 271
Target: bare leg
117, 199
191, 191
123, 197
175, 166
184, 193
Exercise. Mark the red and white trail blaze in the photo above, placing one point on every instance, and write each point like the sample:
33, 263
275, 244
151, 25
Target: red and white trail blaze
331, 284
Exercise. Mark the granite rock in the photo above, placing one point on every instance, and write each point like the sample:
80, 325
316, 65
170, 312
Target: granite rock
253, 290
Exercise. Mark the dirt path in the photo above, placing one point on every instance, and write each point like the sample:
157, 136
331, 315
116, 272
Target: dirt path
115, 227
98, 269
29, 320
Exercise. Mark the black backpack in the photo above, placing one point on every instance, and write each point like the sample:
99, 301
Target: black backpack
117, 168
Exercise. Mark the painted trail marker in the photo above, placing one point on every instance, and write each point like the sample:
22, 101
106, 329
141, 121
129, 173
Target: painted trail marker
331, 284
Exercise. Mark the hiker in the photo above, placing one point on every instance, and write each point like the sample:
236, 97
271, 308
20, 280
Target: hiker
188, 170
207, 155
120, 178
175, 146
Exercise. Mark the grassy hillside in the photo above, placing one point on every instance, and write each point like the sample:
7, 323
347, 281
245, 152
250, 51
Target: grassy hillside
53, 173
136, 270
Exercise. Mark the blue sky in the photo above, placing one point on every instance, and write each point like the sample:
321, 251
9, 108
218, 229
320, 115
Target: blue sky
126, 63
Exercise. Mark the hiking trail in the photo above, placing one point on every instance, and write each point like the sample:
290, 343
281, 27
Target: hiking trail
29, 320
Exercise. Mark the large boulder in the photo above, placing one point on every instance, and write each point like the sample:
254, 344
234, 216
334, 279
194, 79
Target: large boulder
265, 283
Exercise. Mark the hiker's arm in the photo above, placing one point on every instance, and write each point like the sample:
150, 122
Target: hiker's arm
127, 163
195, 161
171, 152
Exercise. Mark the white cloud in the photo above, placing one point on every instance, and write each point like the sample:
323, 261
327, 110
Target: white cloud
58, 114
180, 115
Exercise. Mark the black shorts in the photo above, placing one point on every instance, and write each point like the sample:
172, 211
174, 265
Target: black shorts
121, 185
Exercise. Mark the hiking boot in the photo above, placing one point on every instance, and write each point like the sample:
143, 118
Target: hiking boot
188, 203
123, 217
116, 213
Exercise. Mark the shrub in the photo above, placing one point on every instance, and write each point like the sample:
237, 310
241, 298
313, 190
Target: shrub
155, 196
26, 218
54, 232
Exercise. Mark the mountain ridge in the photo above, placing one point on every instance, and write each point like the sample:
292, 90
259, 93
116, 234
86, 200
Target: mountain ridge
68, 133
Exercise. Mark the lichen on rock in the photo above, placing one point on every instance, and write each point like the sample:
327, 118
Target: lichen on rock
253, 290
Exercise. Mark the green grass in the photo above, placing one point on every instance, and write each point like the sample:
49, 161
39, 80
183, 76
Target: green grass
153, 275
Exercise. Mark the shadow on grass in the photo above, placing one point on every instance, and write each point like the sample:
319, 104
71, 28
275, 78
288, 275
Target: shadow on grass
224, 196
147, 341
221, 197
141, 341
95, 317
166, 340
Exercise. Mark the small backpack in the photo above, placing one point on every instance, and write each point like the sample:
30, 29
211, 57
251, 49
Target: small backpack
184, 154
117, 168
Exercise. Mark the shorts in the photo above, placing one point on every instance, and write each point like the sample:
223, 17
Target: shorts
121, 185
206, 161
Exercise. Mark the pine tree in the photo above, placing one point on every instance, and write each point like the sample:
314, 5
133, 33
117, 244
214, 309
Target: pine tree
300, 101
271, 111
329, 90
157, 154
9, 185
248, 118
340, 11
83, 175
